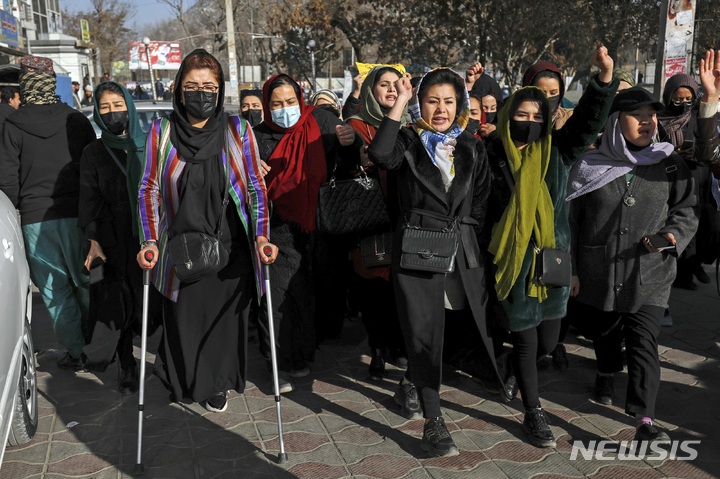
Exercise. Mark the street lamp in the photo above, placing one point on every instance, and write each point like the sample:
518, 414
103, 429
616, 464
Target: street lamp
146, 42
311, 46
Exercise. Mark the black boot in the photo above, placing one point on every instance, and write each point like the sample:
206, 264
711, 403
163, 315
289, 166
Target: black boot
652, 435
510, 387
407, 398
604, 390
377, 364
129, 380
437, 440
537, 428
559, 358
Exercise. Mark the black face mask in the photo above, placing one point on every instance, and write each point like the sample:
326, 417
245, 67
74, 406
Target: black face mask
554, 101
473, 126
200, 104
254, 117
116, 121
490, 116
681, 109
525, 131
331, 109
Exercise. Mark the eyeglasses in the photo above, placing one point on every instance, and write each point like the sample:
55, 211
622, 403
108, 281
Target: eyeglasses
208, 88
681, 103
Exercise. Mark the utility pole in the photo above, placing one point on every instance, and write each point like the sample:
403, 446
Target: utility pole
231, 51
660, 61
252, 44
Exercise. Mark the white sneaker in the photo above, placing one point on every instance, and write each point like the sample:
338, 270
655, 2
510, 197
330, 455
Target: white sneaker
666, 319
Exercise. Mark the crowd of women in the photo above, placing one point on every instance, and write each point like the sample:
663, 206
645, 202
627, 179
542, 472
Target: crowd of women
502, 212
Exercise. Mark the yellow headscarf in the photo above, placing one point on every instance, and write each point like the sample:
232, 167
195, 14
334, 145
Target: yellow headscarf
530, 211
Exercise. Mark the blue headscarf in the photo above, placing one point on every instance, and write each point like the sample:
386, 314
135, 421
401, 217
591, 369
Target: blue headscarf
133, 142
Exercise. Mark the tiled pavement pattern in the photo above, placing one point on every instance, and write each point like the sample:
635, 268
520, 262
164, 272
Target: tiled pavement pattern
339, 424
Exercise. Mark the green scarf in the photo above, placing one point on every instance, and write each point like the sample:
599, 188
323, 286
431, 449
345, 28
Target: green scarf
530, 211
370, 110
133, 142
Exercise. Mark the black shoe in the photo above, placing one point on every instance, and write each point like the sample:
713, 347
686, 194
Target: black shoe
537, 428
217, 403
559, 358
437, 440
604, 391
650, 434
129, 380
690, 285
398, 359
702, 276
509, 390
407, 398
68, 361
377, 365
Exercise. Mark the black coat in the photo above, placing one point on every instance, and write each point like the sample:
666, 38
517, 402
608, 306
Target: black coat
420, 186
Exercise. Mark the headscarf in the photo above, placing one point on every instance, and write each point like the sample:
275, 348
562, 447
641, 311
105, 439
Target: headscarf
539, 67
38, 88
530, 212
624, 75
328, 95
196, 145
440, 146
370, 110
671, 122
486, 85
297, 164
246, 93
598, 167
133, 142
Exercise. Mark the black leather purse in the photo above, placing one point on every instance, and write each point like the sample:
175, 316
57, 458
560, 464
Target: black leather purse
431, 251
351, 206
553, 267
196, 255
376, 250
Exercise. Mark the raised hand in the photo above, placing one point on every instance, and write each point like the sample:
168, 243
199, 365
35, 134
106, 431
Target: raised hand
605, 63
710, 75
357, 84
404, 90
473, 73
345, 134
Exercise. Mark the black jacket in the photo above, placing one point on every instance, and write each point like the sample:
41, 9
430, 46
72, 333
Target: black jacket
40, 158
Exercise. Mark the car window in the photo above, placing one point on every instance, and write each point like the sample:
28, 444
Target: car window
146, 118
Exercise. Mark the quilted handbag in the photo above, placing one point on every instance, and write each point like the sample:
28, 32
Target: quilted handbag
376, 250
432, 251
351, 206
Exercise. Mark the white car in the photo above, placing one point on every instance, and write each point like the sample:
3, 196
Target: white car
18, 383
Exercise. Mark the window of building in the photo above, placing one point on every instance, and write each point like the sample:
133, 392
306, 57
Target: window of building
47, 16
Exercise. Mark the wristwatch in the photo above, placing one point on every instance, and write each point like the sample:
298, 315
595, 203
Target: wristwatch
147, 243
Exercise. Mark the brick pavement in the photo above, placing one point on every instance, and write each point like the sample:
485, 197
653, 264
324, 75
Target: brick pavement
339, 424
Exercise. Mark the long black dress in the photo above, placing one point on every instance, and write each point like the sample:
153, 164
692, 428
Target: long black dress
203, 349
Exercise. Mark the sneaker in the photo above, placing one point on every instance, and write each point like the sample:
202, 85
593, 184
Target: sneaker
537, 428
217, 403
300, 373
702, 276
284, 382
437, 440
652, 435
559, 358
666, 320
407, 398
377, 365
129, 380
67, 361
604, 391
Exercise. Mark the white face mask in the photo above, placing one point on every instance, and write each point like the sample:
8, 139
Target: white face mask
286, 117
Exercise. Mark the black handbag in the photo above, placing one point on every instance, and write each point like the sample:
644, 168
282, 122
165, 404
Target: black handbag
553, 267
431, 251
196, 255
376, 250
351, 206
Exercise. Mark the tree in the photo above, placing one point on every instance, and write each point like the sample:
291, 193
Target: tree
108, 32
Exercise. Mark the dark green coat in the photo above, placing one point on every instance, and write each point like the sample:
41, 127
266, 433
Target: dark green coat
568, 143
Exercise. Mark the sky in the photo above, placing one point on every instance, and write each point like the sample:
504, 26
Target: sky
146, 11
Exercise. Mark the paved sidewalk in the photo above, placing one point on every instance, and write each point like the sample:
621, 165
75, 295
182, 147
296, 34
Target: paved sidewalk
339, 424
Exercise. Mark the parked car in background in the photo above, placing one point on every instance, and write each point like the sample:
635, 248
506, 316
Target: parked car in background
18, 382
148, 111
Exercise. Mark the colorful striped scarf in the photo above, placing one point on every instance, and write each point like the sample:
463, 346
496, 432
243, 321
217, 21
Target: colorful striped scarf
440, 146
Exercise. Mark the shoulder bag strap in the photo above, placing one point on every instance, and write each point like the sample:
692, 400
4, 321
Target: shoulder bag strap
227, 165
115, 159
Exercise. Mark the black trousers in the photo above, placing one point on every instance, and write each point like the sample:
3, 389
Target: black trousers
529, 346
379, 313
640, 331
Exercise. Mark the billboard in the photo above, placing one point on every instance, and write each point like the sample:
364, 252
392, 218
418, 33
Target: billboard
85, 27
9, 28
164, 56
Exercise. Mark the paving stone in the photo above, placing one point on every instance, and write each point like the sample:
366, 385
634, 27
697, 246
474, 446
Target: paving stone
485, 470
315, 470
612, 472
517, 451
384, 466
82, 464
309, 424
551, 462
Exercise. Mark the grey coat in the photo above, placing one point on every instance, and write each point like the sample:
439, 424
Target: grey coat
616, 271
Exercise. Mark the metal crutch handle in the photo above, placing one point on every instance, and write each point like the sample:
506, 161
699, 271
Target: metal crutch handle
282, 456
149, 256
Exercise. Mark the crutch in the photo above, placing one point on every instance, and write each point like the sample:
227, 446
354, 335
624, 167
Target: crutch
149, 256
282, 457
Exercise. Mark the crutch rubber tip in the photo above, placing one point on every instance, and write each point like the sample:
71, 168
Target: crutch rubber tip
140, 469
282, 458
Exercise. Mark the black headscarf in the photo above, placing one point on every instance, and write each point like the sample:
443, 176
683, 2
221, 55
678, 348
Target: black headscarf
196, 145
486, 85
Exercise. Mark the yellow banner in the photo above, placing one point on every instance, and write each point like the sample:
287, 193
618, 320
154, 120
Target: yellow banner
85, 27
364, 68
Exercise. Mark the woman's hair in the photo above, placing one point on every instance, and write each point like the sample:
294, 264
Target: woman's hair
108, 87
546, 74
383, 71
246, 93
281, 80
476, 95
201, 61
536, 95
444, 76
